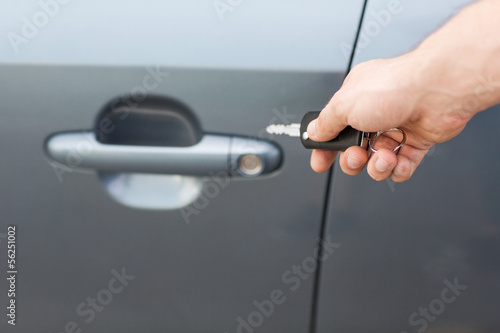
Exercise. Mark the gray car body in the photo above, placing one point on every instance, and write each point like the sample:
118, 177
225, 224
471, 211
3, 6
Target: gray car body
256, 64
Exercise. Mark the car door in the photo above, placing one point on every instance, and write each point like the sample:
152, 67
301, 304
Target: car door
127, 203
420, 256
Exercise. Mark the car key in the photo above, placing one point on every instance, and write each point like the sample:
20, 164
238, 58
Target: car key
348, 137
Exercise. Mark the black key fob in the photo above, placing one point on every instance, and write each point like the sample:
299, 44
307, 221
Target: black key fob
347, 138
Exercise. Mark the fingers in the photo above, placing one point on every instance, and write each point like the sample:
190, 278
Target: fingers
328, 125
382, 164
322, 160
403, 170
399, 167
353, 160
408, 161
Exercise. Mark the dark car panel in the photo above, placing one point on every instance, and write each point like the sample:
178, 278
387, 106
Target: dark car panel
99, 252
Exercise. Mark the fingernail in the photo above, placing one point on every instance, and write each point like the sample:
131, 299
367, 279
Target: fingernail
311, 129
353, 162
382, 165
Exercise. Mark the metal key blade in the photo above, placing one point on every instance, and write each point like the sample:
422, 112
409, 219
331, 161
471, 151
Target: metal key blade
292, 130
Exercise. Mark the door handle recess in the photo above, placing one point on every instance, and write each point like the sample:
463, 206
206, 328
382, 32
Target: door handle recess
238, 156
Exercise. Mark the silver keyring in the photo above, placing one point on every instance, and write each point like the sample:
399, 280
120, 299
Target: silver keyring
379, 133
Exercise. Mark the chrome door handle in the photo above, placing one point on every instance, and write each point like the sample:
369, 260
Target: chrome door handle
237, 156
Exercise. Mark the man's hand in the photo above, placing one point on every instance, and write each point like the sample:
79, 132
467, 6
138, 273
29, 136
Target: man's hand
426, 93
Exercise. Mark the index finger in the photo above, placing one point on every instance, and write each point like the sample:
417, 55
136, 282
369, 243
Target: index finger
329, 123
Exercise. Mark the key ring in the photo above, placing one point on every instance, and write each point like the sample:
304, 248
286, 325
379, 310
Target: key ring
379, 133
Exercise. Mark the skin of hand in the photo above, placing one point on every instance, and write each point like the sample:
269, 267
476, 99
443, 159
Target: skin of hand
427, 93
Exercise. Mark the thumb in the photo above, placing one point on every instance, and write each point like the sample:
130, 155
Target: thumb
327, 126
